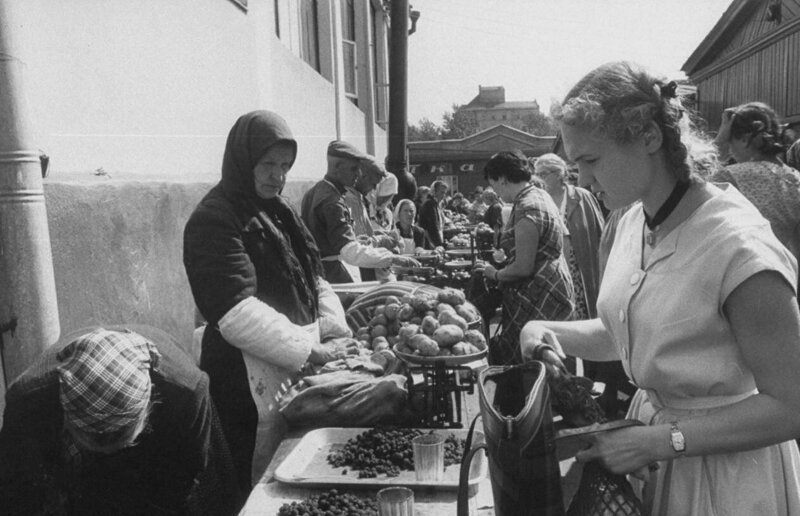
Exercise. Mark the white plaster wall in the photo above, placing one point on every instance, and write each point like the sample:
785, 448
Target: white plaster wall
152, 87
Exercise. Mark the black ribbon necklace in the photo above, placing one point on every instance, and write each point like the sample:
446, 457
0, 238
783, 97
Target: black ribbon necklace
680, 189
668, 207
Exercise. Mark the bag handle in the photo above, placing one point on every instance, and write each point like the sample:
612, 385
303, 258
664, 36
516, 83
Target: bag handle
462, 506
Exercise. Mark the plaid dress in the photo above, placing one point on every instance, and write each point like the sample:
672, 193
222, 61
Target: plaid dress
548, 294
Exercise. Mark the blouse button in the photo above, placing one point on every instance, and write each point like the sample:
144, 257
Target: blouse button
635, 278
622, 316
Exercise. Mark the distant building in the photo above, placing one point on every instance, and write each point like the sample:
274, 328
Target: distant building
751, 54
459, 163
490, 108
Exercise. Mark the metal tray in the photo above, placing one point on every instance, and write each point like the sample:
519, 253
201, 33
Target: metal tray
449, 360
307, 464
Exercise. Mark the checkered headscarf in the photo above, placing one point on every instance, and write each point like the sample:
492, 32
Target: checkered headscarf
105, 380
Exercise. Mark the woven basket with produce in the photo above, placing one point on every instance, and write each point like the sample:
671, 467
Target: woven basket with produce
420, 323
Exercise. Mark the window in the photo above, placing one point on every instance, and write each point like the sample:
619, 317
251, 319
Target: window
309, 33
349, 50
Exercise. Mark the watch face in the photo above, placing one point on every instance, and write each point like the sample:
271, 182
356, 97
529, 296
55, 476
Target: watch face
678, 441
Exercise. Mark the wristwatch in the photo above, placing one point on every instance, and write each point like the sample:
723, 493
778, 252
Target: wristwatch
677, 439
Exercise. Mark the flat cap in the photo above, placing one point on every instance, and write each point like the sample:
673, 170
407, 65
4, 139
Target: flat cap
342, 149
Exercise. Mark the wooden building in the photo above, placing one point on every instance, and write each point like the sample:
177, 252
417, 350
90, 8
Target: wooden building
459, 163
751, 54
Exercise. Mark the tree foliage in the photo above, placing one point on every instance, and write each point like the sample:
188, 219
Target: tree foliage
457, 124
539, 124
425, 131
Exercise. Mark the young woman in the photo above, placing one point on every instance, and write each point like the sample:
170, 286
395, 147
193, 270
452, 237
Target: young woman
697, 299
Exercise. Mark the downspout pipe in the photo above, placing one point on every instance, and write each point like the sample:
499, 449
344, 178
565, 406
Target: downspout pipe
397, 159
28, 306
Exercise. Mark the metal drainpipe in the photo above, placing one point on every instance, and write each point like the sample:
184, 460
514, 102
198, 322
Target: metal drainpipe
397, 160
28, 305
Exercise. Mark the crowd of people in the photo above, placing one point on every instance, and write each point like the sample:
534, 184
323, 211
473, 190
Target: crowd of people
671, 267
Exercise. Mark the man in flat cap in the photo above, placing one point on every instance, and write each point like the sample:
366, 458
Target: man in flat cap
114, 421
360, 199
328, 217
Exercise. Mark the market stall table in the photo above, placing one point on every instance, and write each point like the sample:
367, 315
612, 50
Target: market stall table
269, 494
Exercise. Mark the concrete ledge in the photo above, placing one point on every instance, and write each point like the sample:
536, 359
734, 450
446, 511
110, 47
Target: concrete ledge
118, 250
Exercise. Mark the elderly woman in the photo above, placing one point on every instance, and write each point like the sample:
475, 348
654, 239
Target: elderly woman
697, 299
411, 235
256, 277
584, 221
535, 280
114, 421
752, 134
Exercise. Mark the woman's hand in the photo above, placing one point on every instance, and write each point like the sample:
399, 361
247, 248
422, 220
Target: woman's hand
488, 270
405, 261
723, 139
533, 335
331, 350
624, 451
724, 132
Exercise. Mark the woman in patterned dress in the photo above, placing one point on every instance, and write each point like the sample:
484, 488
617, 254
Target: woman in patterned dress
535, 281
754, 137
698, 300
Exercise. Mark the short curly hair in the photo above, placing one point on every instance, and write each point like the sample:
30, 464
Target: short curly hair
511, 165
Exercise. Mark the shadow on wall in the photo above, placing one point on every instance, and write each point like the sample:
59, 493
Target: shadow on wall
118, 252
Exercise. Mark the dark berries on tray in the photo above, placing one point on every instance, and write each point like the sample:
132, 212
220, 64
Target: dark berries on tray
387, 451
331, 502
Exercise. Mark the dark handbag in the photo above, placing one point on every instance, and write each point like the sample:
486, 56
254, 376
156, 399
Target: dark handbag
520, 445
486, 298
523, 452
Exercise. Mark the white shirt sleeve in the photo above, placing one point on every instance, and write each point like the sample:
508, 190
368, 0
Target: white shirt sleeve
258, 329
368, 257
332, 322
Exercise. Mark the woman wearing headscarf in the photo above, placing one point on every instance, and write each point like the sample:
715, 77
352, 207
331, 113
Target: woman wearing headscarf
411, 235
114, 420
256, 277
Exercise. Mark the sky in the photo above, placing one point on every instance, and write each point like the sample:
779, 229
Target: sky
538, 49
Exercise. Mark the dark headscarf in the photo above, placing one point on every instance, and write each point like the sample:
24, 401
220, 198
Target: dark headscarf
249, 139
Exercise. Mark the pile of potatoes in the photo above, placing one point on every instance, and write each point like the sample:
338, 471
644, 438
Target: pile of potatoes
425, 325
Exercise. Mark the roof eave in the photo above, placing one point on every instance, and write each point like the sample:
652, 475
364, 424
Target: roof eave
715, 35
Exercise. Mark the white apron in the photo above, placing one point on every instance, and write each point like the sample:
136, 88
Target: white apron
268, 383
